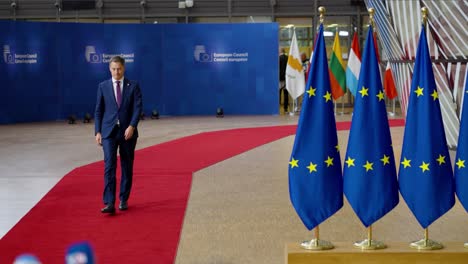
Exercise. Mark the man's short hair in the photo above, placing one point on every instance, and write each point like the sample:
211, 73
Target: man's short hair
117, 59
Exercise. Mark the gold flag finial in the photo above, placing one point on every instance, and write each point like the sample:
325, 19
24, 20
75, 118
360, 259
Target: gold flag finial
424, 12
322, 10
371, 16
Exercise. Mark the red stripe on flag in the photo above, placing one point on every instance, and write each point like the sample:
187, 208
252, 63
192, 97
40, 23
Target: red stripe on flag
355, 46
335, 86
389, 83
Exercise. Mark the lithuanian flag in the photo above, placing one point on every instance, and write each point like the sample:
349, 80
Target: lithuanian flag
337, 70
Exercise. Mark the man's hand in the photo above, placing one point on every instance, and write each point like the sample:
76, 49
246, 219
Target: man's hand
99, 139
129, 132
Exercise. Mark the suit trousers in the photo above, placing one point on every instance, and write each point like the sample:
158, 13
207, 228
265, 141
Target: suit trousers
126, 148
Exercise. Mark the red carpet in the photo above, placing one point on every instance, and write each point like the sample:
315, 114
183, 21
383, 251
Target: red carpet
149, 231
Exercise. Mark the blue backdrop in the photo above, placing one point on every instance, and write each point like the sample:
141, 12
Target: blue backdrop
51, 70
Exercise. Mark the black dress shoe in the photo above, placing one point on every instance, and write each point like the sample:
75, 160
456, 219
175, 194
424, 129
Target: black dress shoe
109, 209
123, 206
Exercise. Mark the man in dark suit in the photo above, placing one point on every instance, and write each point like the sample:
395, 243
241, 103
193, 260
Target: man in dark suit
118, 109
283, 63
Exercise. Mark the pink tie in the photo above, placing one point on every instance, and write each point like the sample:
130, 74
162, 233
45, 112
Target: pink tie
119, 94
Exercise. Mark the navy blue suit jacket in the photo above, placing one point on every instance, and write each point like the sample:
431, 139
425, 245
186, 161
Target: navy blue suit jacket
107, 111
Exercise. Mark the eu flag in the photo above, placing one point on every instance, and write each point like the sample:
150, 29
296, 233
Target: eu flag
370, 183
461, 164
315, 179
425, 176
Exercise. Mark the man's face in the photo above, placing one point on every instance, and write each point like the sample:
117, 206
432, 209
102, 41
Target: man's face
117, 70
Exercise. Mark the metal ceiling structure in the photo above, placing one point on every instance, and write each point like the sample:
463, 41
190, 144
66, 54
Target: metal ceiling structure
174, 10
399, 25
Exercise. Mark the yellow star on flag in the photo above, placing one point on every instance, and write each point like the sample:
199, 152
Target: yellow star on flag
329, 161
312, 167
406, 163
363, 91
424, 166
294, 163
311, 92
435, 95
419, 91
380, 95
337, 148
368, 166
327, 96
350, 161
385, 159
441, 159
460, 163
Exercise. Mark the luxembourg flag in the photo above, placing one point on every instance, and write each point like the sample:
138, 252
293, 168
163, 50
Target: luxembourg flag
354, 66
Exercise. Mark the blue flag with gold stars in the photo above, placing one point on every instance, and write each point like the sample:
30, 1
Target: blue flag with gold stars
425, 175
370, 181
461, 164
315, 179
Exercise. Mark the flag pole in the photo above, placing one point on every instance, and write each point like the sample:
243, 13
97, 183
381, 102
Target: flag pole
316, 243
342, 104
426, 243
393, 108
369, 243
296, 101
342, 97
291, 112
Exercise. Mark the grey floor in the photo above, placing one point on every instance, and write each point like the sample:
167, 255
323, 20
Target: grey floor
239, 209
35, 156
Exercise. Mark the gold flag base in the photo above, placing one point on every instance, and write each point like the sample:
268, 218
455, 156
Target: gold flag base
465, 245
317, 244
373, 245
426, 244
